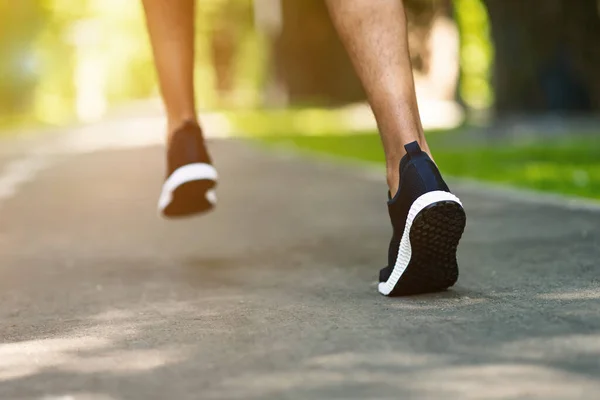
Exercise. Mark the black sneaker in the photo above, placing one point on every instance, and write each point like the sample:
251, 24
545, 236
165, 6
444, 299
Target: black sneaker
428, 222
191, 178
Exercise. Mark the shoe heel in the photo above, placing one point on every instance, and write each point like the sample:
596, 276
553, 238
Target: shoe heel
426, 260
434, 238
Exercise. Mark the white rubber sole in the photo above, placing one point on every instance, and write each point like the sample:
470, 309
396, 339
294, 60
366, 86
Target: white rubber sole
405, 249
185, 174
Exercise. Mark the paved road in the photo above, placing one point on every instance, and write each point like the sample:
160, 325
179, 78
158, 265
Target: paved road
274, 296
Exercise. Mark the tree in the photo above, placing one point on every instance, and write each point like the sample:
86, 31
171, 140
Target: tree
309, 58
312, 63
20, 23
547, 56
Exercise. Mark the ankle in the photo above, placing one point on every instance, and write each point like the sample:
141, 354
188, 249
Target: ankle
175, 124
393, 177
393, 166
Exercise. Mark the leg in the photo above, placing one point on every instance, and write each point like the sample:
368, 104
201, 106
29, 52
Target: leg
171, 29
427, 219
191, 178
374, 33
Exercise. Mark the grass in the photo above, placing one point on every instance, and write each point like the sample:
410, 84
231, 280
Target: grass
568, 165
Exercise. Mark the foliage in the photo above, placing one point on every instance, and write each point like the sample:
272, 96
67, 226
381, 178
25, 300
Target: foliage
241, 66
40, 54
20, 23
476, 53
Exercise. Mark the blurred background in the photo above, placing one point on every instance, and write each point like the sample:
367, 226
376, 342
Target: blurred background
509, 91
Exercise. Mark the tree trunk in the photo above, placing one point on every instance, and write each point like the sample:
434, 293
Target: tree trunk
20, 23
547, 55
310, 60
312, 63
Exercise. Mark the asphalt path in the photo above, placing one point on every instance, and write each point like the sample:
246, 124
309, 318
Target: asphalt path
273, 296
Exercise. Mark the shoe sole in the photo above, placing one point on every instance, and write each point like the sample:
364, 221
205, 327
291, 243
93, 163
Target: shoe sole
426, 260
188, 191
